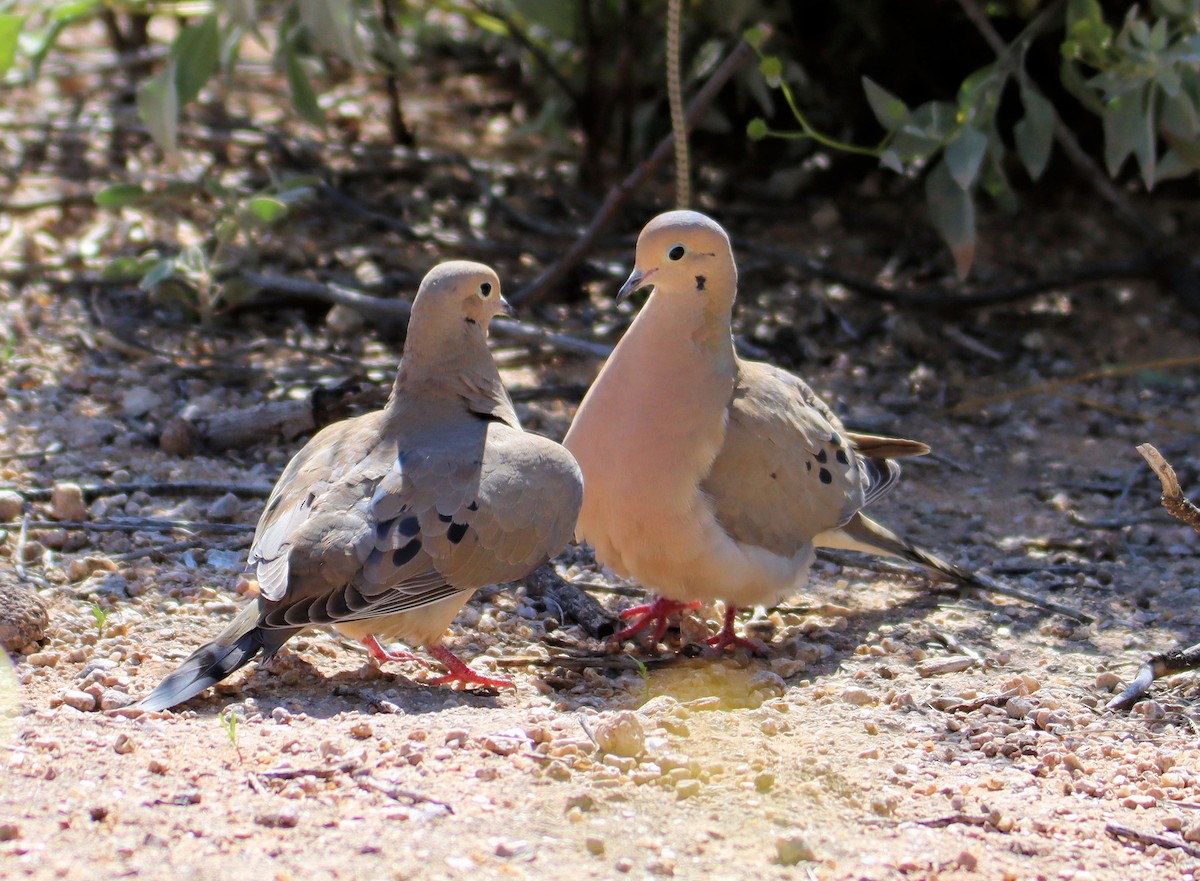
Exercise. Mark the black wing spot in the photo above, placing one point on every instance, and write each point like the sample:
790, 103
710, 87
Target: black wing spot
409, 527
474, 506
403, 555
445, 518
835, 439
822, 457
456, 532
382, 529
825, 476
841, 457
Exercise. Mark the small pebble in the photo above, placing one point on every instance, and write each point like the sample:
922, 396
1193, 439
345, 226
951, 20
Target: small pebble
43, 659
224, 508
858, 697
66, 502
11, 505
284, 818
620, 733
687, 788
124, 744
80, 700
595, 846
9, 831
793, 848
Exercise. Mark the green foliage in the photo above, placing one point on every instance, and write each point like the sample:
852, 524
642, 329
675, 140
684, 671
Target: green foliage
205, 278
101, 615
229, 721
1143, 80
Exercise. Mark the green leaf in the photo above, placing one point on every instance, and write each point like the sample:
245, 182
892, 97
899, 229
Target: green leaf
10, 31
755, 36
953, 215
888, 109
1034, 133
197, 55
160, 272
158, 106
965, 154
1129, 128
266, 209
1179, 117
332, 26
304, 97
119, 195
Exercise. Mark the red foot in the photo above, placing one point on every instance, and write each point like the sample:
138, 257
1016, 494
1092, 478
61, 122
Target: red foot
379, 654
727, 639
460, 672
657, 612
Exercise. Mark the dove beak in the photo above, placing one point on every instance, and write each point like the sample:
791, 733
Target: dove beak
506, 308
637, 280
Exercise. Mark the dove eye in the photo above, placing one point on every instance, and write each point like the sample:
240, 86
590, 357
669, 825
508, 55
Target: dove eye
676, 253
485, 289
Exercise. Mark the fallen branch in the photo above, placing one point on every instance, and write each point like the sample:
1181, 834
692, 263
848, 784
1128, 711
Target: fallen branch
537, 290
399, 310
248, 426
571, 602
1177, 660
1173, 499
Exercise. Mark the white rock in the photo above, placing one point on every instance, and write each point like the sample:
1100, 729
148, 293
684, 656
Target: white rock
66, 502
620, 733
138, 401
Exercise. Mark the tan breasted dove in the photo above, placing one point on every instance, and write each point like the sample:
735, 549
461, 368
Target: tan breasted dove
708, 477
384, 525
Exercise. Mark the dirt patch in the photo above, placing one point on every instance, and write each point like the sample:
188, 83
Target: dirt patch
890, 731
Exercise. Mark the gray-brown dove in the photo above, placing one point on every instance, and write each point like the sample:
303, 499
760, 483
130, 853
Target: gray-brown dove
384, 525
708, 477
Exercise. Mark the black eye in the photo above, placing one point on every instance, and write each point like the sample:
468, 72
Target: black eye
486, 288
676, 253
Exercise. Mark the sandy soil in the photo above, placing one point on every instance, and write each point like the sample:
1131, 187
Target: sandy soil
891, 730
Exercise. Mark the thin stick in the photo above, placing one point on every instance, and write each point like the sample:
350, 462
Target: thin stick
141, 524
1118, 830
168, 488
537, 290
1173, 499
399, 310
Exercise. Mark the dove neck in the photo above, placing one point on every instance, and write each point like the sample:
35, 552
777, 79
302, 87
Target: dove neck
449, 363
705, 319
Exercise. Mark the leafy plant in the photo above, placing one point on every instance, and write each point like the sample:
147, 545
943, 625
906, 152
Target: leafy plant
1145, 87
205, 277
229, 721
101, 615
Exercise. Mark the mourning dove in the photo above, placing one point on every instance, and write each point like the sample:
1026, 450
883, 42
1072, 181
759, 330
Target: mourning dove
707, 477
383, 525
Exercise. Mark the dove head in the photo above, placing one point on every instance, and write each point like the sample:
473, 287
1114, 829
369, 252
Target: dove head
457, 294
684, 254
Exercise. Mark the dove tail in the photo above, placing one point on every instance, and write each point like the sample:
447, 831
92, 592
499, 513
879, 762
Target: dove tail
864, 534
239, 644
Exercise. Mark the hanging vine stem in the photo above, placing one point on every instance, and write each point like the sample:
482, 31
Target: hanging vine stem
683, 177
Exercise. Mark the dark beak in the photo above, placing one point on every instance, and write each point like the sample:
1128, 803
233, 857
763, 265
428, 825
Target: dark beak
635, 282
506, 308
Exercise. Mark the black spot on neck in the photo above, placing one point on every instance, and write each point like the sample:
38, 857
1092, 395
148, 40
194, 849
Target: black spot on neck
700, 282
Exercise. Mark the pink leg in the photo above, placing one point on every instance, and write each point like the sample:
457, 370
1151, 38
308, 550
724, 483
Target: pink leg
379, 654
460, 672
657, 613
727, 639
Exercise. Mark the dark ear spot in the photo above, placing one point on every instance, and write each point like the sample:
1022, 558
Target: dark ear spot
700, 282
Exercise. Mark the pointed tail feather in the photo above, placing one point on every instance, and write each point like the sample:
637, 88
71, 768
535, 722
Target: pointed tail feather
863, 534
240, 643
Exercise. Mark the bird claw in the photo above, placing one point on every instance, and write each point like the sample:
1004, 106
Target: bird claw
656, 612
727, 639
460, 672
379, 654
